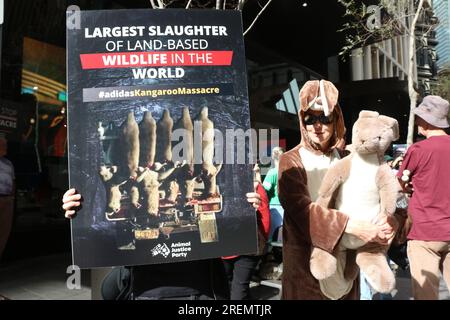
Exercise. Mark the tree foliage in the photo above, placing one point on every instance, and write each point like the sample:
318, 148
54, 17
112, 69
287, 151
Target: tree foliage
209, 4
387, 19
363, 27
357, 31
442, 87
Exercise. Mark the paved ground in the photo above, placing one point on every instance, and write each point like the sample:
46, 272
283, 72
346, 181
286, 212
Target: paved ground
41, 278
45, 278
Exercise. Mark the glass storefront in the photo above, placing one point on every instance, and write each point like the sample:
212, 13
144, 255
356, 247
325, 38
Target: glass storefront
33, 119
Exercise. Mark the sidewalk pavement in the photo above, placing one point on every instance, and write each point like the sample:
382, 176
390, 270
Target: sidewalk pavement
403, 287
44, 278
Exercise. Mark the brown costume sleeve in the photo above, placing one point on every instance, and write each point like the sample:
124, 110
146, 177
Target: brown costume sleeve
305, 222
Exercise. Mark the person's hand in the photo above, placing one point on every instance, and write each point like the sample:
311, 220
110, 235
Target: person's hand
254, 198
389, 225
70, 200
406, 183
368, 232
397, 162
408, 188
256, 173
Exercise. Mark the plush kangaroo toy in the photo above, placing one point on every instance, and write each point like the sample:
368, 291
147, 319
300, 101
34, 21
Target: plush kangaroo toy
362, 186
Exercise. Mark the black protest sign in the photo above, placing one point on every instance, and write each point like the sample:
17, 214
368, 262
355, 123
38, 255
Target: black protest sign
157, 108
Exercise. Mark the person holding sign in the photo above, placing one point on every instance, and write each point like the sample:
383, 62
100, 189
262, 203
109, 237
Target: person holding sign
201, 279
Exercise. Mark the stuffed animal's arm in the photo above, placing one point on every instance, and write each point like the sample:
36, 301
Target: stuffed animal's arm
334, 177
389, 188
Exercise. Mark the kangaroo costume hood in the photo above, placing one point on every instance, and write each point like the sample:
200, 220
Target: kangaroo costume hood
321, 96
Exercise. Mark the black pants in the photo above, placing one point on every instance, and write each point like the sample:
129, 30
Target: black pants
190, 280
116, 286
239, 272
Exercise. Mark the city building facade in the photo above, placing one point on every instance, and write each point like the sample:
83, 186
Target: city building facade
441, 9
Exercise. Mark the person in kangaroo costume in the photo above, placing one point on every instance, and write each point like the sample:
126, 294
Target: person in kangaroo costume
306, 223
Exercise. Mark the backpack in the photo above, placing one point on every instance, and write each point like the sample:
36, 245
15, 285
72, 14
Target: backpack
117, 285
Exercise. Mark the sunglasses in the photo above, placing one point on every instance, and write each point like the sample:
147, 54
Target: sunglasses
323, 119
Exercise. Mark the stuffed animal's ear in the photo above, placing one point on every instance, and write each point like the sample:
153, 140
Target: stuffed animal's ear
368, 114
393, 124
308, 92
